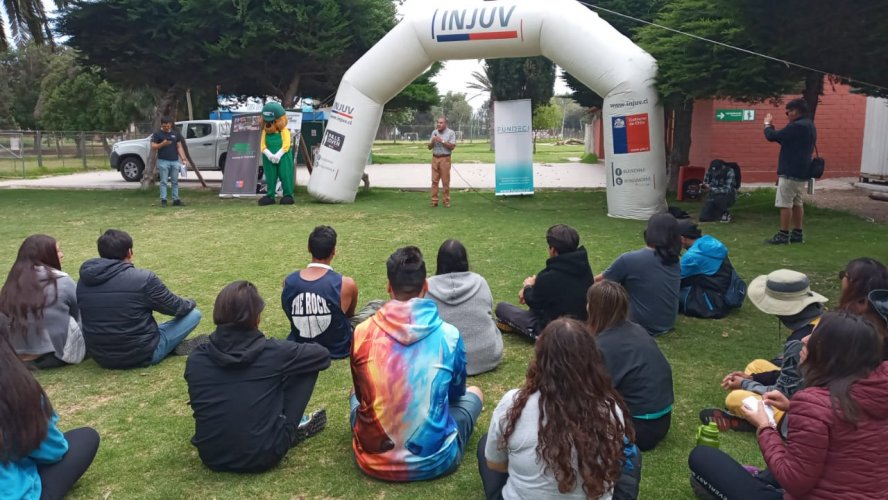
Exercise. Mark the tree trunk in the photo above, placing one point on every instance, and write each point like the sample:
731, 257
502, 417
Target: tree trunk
813, 91
679, 147
167, 103
105, 145
289, 100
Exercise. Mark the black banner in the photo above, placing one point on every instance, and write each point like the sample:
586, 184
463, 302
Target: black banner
243, 158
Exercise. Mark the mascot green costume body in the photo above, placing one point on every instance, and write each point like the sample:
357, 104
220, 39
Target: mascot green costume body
277, 158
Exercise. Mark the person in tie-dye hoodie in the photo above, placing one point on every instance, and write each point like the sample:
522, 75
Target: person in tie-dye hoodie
412, 414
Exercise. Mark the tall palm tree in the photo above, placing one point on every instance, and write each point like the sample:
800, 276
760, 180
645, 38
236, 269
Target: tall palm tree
27, 21
482, 85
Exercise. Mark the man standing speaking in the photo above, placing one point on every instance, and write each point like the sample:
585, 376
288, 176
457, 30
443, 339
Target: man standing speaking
442, 143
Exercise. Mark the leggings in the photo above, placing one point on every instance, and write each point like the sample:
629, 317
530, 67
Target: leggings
58, 478
719, 474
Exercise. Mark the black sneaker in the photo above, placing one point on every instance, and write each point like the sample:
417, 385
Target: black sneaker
265, 201
796, 236
163, 203
188, 346
726, 421
309, 427
780, 238
179, 203
287, 200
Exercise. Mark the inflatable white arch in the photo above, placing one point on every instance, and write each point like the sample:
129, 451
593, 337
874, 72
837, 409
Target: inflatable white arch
564, 31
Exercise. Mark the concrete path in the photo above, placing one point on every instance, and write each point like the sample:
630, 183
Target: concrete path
403, 176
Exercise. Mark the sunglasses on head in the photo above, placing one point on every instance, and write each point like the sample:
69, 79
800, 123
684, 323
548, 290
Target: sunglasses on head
842, 274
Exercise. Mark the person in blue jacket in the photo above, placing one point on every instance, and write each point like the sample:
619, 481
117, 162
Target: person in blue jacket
36, 459
710, 287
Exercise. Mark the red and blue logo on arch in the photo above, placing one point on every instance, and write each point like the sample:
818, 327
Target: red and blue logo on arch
486, 23
631, 133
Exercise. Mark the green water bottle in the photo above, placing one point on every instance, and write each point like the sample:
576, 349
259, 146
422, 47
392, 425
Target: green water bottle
708, 435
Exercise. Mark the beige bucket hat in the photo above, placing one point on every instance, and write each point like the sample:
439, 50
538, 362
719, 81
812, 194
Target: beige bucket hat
782, 293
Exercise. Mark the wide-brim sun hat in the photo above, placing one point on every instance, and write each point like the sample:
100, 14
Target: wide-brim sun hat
782, 293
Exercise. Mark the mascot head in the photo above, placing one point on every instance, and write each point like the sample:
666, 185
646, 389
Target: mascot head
275, 117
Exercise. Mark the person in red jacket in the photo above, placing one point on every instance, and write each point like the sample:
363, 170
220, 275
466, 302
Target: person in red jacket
838, 425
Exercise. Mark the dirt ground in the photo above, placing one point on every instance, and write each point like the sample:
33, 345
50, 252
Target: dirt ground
855, 200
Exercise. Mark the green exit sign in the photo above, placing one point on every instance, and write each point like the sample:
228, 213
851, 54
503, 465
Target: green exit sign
734, 115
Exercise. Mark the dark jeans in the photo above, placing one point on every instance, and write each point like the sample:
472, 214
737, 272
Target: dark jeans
522, 320
494, 481
58, 478
297, 393
46, 362
726, 479
649, 433
716, 205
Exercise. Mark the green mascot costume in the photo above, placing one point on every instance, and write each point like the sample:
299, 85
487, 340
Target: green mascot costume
277, 158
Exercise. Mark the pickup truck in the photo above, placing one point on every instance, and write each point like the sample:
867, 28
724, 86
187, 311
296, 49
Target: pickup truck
207, 142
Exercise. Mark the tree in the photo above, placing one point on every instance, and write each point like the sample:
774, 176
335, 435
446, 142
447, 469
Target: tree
456, 109
547, 117
522, 78
294, 48
76, 98
690, 68
842, 38
27, 22
420, 95
22, 70
519, 78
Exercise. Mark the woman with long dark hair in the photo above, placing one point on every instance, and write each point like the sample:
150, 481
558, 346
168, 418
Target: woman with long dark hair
838, 424
561, 434
859, 279
41, 303
652, 275
464, 300
637, 367
36, 459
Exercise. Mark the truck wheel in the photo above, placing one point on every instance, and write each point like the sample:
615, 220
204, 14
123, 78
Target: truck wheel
131, 168
222, 162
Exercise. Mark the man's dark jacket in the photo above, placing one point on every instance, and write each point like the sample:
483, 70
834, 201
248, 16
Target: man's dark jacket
116, 301
560, 288
796, 147
235, 382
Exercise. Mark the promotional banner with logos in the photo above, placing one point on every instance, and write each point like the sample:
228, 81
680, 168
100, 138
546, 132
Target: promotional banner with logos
242, 161
514, 147
564, 31
294, 124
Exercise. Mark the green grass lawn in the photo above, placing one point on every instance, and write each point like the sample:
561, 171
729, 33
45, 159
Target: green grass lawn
143, 415
417, 152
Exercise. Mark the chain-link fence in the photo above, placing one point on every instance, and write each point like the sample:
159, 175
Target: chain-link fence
37, 153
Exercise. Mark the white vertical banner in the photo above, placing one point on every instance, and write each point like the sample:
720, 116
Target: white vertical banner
514, 147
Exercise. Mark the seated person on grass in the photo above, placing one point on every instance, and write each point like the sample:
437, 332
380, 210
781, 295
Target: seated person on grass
787, 295
249, 392
710, 287
637, 367
720, 181
651, 275
558, 290
464, 300
411, 413
562, 434
116, 304
319, 302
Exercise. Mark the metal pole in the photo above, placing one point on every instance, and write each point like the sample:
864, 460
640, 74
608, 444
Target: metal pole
83, 148
39, 147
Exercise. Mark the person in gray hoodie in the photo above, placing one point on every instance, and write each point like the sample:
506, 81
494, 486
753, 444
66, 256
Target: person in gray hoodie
464, 300
41, 302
